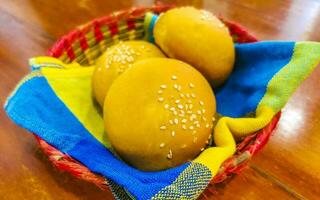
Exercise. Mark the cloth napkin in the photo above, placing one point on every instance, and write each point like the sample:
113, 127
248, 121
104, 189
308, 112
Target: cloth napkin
54, 101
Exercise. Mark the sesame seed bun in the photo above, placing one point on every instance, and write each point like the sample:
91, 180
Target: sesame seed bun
159, 114
116, 60
198, 38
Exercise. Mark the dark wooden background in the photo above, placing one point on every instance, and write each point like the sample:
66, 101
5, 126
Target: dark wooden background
288, 168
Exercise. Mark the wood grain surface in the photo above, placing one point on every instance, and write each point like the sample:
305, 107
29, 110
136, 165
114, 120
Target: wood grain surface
289, 166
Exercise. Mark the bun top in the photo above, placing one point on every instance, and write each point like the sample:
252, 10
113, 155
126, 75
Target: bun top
198, 38
116, 60
159, 113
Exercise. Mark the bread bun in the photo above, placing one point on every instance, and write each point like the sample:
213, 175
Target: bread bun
158, 114
116, 60
198, 38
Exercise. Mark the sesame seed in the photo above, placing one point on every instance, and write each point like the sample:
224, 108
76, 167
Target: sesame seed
189, 111
201, 103
213, 119
169, 156
192, 117
202, 149
195, 139
188, 95
176, 121
166, 106
163, 86
173, 133
191, 127
181, 114
191, 85
184, 126
172, 108
209, 137
204, 118
160, 91
184, 121
203, 111
179, 88
190, 106
173, 77
207, 142
175, 86
180, 106
189, 101
175, 112
193, 95
162, 145
207, 125
163, 127
160, 99
171, 121
183, 146
199, 112
177, 101
181, 95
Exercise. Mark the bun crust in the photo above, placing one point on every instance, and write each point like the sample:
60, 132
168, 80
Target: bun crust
198, 38
158, 114
116, 60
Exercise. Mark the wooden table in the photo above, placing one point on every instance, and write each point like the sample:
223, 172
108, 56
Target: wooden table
289, 166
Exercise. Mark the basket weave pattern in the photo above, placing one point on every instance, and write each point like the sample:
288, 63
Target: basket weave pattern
87, 42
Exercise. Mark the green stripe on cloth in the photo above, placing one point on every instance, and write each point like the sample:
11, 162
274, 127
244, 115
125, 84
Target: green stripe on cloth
285, 82
189, 184
119, 192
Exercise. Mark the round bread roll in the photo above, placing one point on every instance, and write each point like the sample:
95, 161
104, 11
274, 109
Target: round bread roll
198, 38
116, 60
159, 114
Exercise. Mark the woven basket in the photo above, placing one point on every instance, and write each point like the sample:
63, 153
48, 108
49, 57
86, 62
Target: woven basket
86, 43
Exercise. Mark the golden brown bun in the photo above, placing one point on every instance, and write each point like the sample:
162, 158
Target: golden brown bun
158, 114
198, 38
116, 60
